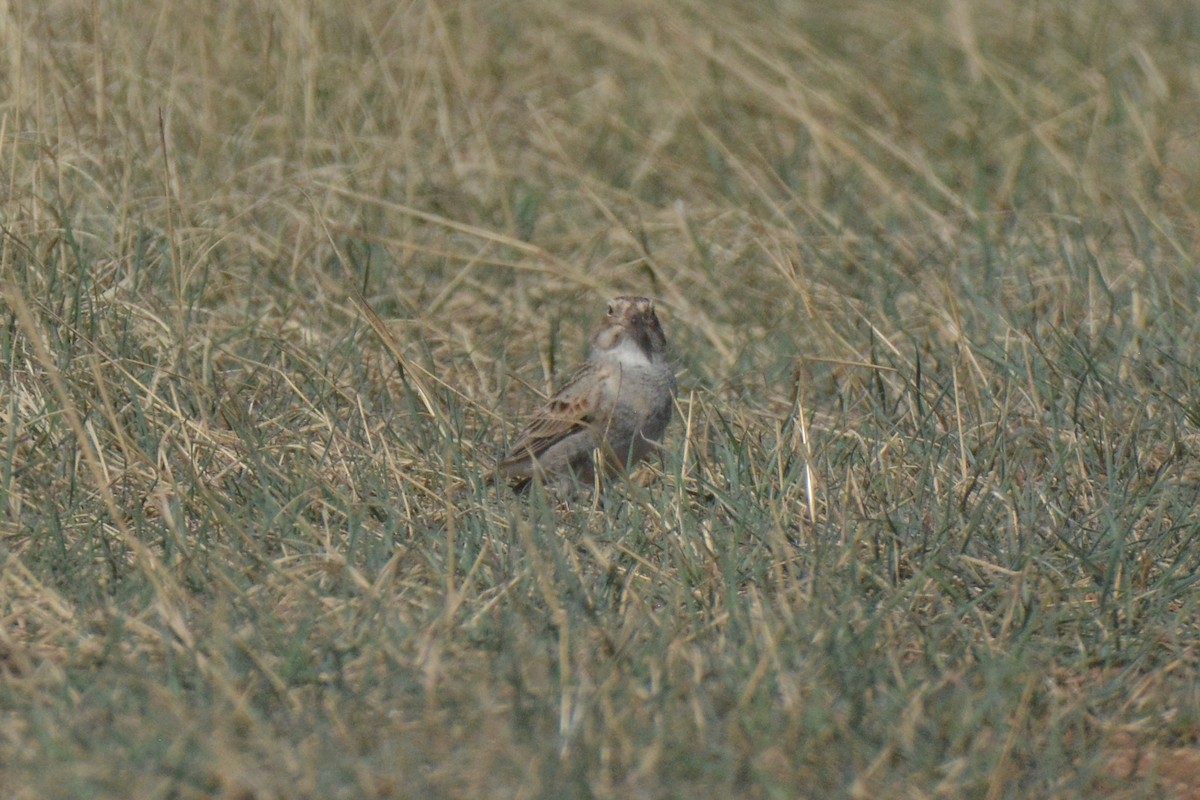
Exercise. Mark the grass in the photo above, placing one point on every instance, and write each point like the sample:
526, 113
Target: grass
925, 526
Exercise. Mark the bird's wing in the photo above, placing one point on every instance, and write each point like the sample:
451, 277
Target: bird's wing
572, 409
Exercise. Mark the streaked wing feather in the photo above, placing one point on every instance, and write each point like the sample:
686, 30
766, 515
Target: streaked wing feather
556, 423
568, 411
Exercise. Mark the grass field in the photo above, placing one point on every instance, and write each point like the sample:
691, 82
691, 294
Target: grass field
926, 525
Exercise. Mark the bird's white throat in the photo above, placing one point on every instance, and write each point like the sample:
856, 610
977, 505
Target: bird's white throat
629, 354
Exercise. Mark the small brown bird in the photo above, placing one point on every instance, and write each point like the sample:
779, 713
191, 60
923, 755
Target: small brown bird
615, 408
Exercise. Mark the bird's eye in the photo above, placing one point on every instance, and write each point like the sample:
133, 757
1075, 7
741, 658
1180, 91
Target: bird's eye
610, 309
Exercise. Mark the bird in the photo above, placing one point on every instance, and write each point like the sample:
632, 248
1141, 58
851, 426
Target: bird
610, 414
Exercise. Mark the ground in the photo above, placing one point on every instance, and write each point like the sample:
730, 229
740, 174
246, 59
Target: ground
925, 524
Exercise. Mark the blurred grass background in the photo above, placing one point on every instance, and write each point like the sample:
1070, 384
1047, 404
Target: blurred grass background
926, 526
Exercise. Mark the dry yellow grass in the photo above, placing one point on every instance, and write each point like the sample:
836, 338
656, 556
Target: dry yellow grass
926, 526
